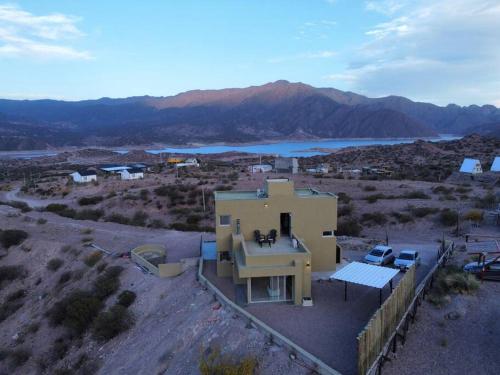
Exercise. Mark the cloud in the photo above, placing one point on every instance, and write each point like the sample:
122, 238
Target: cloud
303, 56
46, 36
312, 30
437, 51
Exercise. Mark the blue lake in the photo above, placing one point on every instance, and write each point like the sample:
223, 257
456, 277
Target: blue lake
289, 148
299, 148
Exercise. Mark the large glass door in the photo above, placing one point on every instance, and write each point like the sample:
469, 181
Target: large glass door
271, 289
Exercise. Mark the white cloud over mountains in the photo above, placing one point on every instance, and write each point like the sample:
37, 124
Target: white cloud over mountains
23, 34
430, 50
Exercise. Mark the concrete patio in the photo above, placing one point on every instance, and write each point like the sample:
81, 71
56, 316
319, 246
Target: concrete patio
328, 329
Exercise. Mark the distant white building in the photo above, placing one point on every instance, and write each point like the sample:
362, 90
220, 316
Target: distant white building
260, 168
191, 162
132, 174
112, 168
83, 176
495, 167
471, 166
320, 169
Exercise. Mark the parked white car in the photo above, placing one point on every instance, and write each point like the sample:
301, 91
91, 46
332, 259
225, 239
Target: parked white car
380, 255
406, 259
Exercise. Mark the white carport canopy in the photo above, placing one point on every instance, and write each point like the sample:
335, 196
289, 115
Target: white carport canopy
365, 274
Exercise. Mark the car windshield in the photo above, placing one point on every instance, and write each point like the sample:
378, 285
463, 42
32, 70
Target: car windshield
406, 256
377, 253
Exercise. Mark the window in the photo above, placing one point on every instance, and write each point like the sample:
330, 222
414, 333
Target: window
328, 233
225, 220
224, 256
388, 252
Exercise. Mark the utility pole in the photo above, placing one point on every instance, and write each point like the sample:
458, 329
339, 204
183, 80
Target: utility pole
203, 197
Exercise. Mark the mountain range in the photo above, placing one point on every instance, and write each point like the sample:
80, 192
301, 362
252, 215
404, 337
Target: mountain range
274, 111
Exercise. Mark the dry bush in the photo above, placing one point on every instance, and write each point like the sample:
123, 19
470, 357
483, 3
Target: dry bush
216, 364
54, 264
92, 259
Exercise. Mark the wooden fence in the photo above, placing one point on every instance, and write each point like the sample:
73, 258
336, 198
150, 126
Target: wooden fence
374, 365
383, 323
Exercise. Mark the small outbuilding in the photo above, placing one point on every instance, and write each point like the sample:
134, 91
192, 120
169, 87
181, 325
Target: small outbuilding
471, 166
132, 174
113, 168
82, 177
260, 168
286, 165
190, 162
495, 167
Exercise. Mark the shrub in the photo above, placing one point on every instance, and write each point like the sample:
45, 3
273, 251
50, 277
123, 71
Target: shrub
377, 218
488, 201
402, 218
118, 218
87, 201
345, 210
11, 273
41, 221
56, 207
9, 308
89, 214
19, 357
442, 190
415, 194
111, 323
374, 197
23, 206
474, 215
65, 277
344, 198
451, 280
144, 193
423, 211
101, 267
349, 227
59, 349
193, 219
14, 296
126, 298
54, 264
448, 217
369, 188
92, 259
157, 223
214, 363
12, 237
139, 219
76, 311
162, 190
108, 283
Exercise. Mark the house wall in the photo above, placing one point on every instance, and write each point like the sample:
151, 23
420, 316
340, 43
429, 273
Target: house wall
310, 216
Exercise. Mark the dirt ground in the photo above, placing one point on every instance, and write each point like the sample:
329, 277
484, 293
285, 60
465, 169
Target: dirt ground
439, 345
176, 319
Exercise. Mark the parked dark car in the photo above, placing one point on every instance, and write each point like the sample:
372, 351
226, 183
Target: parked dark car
489, 270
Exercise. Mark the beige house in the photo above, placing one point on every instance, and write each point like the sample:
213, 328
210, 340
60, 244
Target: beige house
272, 239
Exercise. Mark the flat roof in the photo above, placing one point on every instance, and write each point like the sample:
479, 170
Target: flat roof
483, 247
252, 194
365, 274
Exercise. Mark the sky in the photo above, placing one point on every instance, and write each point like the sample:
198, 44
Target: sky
442, 52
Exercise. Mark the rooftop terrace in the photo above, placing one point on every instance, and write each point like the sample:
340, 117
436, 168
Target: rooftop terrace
259, 194
283, 245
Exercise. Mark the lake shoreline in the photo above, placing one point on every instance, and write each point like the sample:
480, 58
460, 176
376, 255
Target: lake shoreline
307, 147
